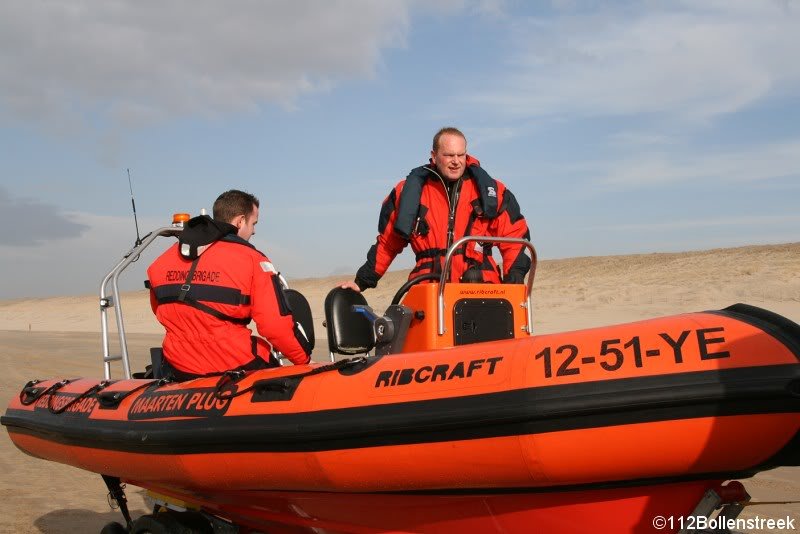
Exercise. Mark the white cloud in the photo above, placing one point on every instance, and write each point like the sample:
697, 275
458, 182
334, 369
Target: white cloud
693, 224
77, 265
481, 135
41, 221
640, 139
693, 60
491, 8
126, 61
776, 160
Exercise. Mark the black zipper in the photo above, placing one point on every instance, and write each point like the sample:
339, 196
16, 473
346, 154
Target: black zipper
451, 204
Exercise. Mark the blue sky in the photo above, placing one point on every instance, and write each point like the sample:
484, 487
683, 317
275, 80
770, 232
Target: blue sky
621, 127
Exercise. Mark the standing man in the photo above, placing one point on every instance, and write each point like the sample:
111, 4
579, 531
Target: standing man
439, 203
207, 287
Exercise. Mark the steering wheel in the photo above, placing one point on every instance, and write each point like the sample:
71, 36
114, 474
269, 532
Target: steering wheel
409, 284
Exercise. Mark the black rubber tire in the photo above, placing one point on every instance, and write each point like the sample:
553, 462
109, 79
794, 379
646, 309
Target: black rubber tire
163, 523
172, 523
195, 522
114, 528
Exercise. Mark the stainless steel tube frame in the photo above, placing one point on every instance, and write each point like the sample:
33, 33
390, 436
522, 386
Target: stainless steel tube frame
486, 239
107, 302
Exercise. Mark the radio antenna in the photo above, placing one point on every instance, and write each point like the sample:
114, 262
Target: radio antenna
133, 204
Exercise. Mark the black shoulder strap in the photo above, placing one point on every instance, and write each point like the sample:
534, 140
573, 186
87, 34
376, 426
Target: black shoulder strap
409, 201
185, 297
187, 285
487, 187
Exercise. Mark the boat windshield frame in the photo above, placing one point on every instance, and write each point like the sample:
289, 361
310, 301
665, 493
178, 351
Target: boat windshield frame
112, 299
487, 239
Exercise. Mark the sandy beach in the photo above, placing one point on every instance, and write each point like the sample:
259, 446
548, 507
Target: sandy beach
47, 337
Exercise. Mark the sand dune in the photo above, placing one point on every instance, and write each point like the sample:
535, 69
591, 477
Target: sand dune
59, 336
568, 294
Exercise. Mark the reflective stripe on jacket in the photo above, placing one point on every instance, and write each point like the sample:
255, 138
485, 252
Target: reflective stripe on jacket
237, 282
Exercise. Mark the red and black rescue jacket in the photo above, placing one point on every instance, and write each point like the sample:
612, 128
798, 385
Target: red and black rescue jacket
206, 296
420, 211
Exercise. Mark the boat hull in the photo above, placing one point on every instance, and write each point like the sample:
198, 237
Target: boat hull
719, 446
632, 509
613, 425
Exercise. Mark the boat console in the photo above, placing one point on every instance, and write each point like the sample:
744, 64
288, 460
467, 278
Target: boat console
425, 315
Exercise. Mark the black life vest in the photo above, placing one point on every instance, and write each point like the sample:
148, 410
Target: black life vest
408, 206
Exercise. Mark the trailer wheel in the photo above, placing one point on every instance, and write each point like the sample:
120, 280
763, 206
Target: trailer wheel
162, 523
114, 528
171, 523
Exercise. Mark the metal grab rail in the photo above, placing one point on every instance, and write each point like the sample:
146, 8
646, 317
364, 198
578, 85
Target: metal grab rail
485, 239
107, 301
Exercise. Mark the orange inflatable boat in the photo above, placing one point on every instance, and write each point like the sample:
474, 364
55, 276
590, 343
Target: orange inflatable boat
459, 420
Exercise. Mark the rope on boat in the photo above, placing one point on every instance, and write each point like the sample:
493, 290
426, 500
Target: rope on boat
229, 378
31, 394
223, 390
114, 399
95, 388
107, 401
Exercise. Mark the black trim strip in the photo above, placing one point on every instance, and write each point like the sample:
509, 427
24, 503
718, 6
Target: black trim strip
763, 390
283, 305
431, 253
366, 277
387, 208
644, 483
425, 265
223, 295
589, 486
778, 326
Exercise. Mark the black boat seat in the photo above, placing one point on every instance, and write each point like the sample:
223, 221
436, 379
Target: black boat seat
349, 332
158, 365
301, 311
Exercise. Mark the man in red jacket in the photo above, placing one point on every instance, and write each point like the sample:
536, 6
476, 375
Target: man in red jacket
206, 288
439, 203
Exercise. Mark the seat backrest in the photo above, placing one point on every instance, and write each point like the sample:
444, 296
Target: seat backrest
158, 363
301, 311
349, 332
